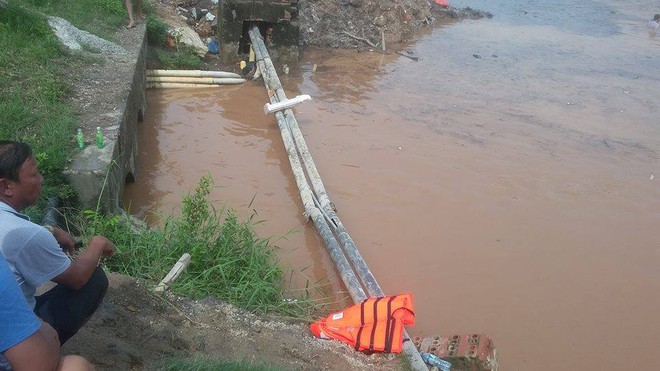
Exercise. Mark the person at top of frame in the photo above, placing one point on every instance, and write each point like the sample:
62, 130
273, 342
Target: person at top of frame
129, 10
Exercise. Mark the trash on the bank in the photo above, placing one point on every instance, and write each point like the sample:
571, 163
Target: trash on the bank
274, 107
213, 47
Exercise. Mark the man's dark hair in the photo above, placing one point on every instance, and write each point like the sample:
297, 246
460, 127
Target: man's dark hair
12, 156
656, 17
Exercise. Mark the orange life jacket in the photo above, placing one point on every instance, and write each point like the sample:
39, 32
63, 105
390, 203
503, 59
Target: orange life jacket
375, 325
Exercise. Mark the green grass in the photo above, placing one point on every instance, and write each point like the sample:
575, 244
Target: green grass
209, 364
100, 17
228, 260
32, 92
180, 57
34, 82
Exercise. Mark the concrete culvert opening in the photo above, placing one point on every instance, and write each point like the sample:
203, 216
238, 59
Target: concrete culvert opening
265, 28
277, 22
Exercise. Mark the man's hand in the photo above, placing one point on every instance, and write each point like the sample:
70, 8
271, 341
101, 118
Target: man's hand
66, 241
84, 265
107, 247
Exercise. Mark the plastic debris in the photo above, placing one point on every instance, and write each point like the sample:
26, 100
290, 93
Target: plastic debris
274, 107
433, 360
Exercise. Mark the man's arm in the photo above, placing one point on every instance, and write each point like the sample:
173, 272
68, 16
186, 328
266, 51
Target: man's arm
81, 269
66, 241
40, 351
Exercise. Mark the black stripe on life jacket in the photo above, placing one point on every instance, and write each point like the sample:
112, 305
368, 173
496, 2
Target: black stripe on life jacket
375, 321
389, 328
359, 334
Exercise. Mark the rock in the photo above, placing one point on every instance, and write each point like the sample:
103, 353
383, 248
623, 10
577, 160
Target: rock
188, 36
204, 29
73, 37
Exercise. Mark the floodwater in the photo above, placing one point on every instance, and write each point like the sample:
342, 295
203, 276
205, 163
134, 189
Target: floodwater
509, 179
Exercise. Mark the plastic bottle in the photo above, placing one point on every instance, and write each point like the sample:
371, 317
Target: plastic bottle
99, 137
433, 360
80, 139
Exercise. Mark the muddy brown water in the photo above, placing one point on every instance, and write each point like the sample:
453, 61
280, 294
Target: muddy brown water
509, 179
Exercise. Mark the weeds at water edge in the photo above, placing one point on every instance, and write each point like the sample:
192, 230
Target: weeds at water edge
228, 260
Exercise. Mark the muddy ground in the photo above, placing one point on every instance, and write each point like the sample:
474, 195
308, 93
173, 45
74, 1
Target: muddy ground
135, 329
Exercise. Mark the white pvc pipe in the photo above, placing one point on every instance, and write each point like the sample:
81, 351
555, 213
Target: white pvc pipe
192, 73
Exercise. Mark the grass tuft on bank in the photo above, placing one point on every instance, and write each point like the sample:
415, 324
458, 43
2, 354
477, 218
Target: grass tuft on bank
228, 260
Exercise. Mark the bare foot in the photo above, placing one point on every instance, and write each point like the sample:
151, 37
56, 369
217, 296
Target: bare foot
131, 24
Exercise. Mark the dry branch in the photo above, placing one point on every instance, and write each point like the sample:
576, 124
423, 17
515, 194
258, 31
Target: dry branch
366, 41
414, 58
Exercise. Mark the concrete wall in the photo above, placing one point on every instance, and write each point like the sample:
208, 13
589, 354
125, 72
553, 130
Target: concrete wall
280, 16
99, 175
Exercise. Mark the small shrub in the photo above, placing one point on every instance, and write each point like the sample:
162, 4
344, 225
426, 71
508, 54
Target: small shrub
183, 59
156, 32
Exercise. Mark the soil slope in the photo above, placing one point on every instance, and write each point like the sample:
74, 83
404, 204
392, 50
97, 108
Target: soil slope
340, 23
137, 330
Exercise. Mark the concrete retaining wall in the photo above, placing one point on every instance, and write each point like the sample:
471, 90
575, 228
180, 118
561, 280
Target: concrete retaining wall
99, 174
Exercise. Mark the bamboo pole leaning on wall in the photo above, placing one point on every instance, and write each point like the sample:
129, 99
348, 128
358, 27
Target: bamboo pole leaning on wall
318, 206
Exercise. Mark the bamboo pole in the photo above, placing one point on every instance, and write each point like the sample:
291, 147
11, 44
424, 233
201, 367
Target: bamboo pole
174, 273
192, 73
289, 130
176, 85
197, 80
366, 277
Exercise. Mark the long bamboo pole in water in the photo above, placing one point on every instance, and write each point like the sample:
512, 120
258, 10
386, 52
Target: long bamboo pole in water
324, 217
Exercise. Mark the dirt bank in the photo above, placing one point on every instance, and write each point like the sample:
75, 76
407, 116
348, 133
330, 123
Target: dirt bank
135, 329
342, 23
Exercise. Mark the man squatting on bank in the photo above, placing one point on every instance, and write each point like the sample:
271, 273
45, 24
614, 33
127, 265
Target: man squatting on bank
36, 254
26, 342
